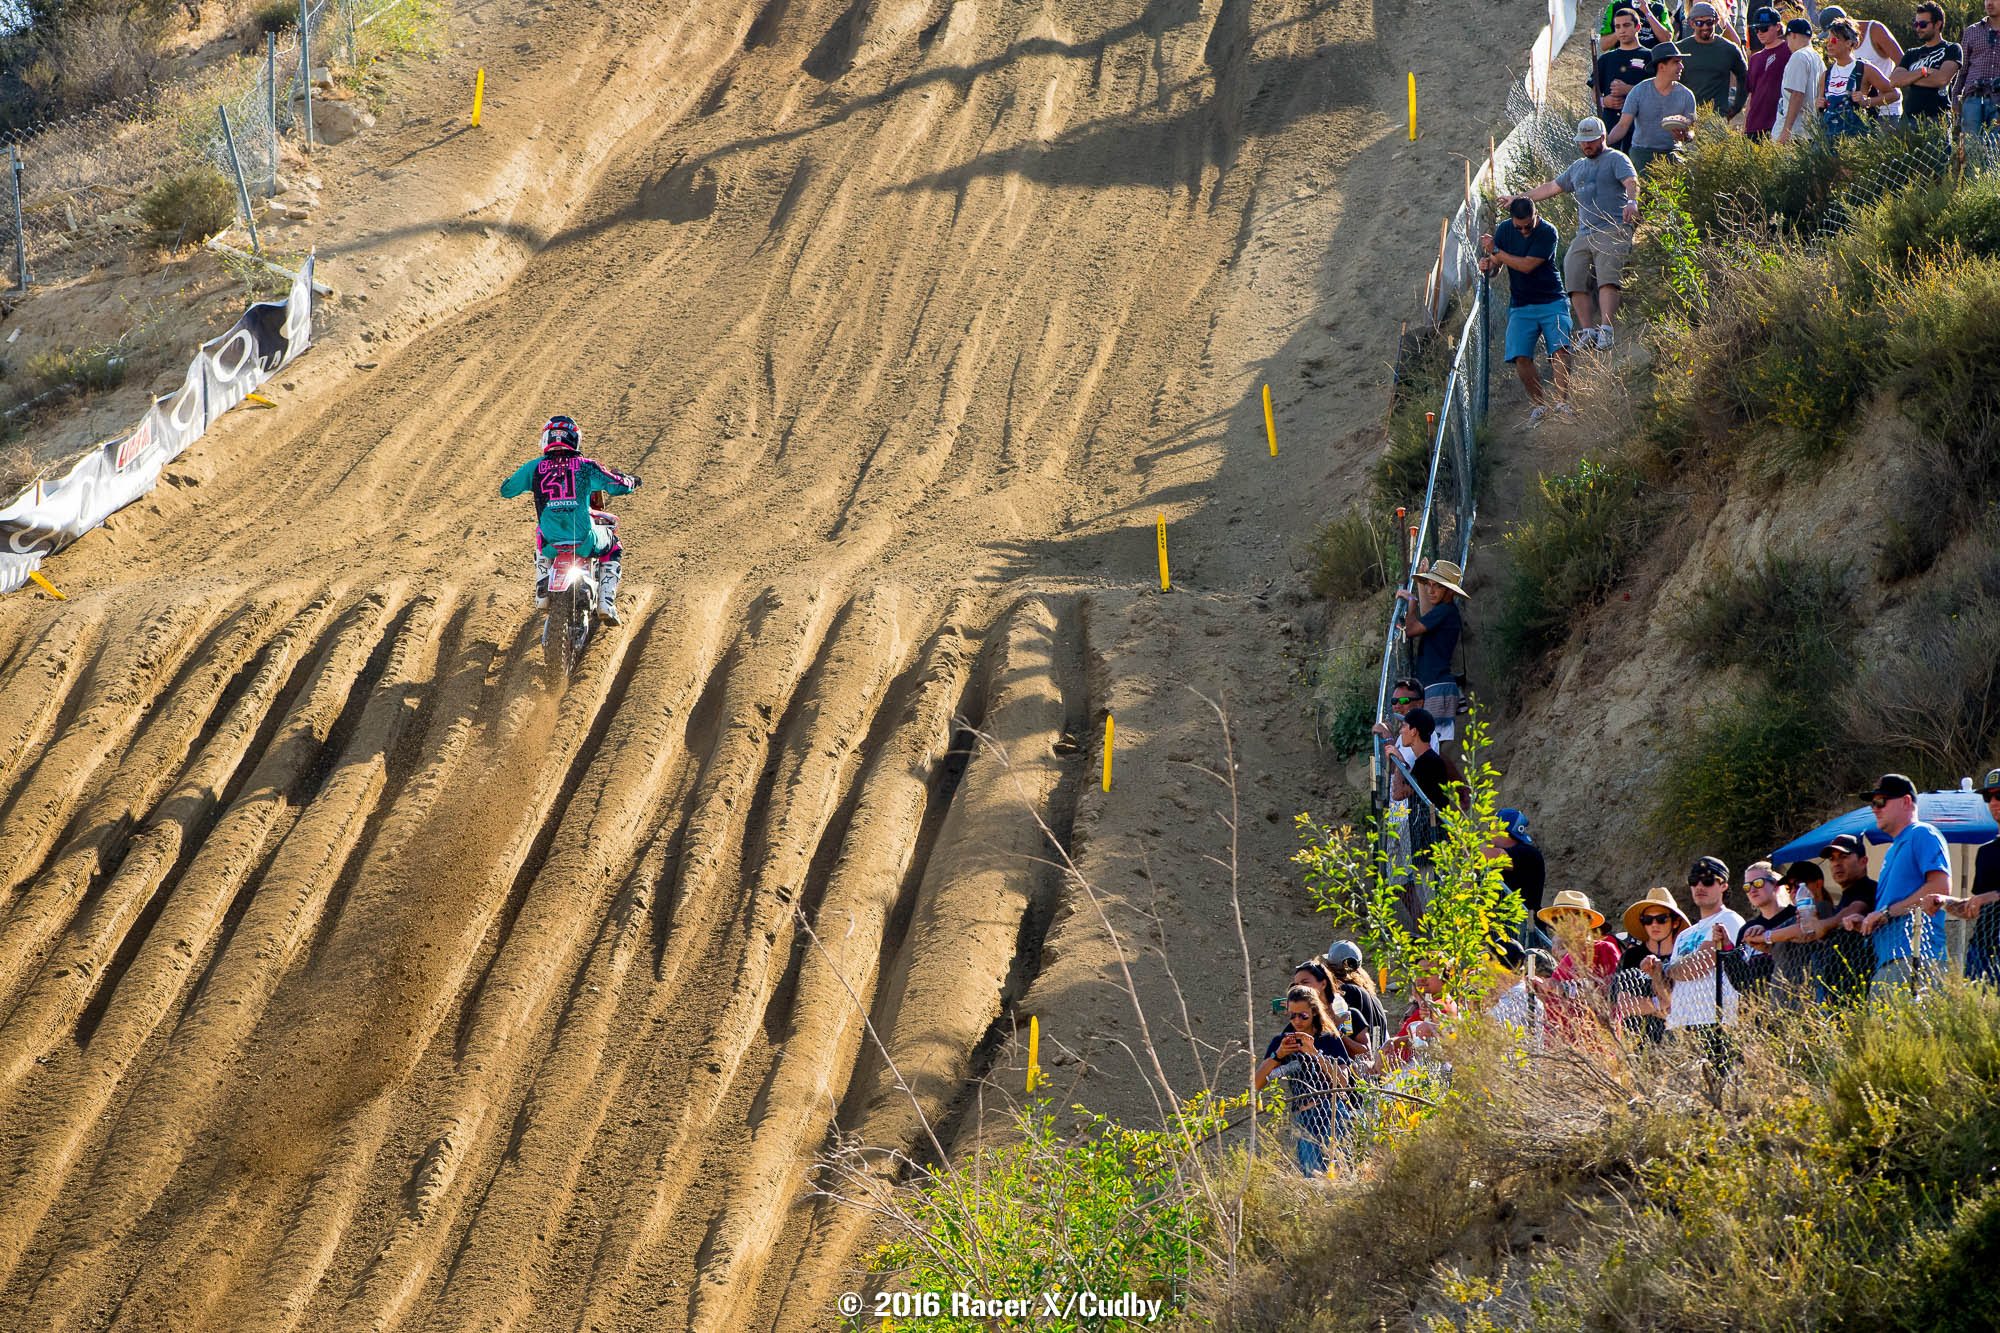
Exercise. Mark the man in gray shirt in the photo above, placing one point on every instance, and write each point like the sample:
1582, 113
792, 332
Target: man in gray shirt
1648, 106
1606, 186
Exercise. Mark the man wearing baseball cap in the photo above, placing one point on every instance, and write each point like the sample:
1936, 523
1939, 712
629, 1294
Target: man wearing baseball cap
1905, 928
1716, 72
1659, 113
1766, 73
1606, 187
1804, 73
1982, 950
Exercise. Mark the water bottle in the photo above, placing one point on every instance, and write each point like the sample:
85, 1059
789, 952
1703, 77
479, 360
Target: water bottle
1808, 916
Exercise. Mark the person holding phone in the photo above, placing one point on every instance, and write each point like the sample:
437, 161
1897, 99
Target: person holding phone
1310, 1057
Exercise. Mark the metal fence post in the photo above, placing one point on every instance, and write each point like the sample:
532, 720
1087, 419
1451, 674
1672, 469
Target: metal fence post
242, 192
271, 86
20, 233
347, 8
305, 65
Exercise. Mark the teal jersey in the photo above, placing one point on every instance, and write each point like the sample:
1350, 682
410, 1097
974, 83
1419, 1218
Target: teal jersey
561, 484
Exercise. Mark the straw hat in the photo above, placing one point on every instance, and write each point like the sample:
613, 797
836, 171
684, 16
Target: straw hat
1660, 897
1446, 575
1569, 900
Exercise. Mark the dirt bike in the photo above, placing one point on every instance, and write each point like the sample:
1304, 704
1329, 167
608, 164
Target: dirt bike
572, 615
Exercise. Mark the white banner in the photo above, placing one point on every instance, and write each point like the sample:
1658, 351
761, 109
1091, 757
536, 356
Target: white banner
49, 515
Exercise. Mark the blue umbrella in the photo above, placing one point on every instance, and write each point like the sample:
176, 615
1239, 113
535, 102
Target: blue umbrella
1960, 815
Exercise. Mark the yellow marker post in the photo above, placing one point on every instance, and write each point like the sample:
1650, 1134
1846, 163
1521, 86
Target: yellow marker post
1413, 107
1166, 584
258, 398
42, 579
1034, 1052
1270, 424
479, 96
1108, 732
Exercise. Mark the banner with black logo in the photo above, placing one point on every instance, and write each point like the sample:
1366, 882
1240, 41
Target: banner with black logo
51, 514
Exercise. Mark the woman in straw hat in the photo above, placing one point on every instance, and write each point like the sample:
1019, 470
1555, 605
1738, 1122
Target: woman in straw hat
1652, 922
1574, 922
1432, 622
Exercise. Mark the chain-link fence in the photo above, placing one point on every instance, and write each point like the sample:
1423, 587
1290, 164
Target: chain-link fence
80, 177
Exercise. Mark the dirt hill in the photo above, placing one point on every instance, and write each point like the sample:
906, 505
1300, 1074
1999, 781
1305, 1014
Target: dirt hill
353, 976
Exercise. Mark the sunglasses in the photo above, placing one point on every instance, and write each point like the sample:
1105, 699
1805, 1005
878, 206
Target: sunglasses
1704, 23
1655, 919
1702, 879
1754, 883
1920, 24
1877, 802
1404, 699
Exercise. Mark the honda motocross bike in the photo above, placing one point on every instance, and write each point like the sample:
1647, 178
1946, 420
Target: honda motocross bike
572, 615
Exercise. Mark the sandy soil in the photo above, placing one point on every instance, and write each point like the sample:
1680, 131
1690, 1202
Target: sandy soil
352, 976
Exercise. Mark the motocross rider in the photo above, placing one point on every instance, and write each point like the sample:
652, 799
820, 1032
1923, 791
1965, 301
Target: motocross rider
561, 480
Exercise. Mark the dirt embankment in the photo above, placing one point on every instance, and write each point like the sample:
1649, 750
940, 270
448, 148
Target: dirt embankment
351, 976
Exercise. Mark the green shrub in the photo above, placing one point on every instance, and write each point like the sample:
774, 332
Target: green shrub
275, 16
1104, 1210
1405, 466
1353, 555
1744, 777
189, 206
1930, 700
1942, 346
1344, 685
1788, 618
98, 367
1904, 229
1580, 530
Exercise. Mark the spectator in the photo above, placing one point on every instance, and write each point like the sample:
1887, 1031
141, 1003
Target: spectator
1537, 311
1875, 46
1526, 871
1622, 66
1428, 770
1642, 998
1570, 988
1799, 947
1767, 73
1847, 959
1606, 187
1907, 932
1312, 1060
1354, 1030
1717, 74
1979, 81
1357, 988
1518, 998
1704, 1001
1755, 958
1404, 695
1434, 628
1804, 73
1925, 72
1657, 21
1659, 113
1851, 89
1429, 1007
1982, 951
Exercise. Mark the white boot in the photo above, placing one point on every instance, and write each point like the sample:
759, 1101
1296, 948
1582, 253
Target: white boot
542, 566
609, 573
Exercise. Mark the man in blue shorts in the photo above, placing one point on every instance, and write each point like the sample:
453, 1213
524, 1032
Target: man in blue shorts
1526, 248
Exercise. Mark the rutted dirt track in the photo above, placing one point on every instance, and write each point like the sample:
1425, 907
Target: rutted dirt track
351, 976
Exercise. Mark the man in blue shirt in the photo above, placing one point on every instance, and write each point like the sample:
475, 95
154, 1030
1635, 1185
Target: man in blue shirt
1916, 869
1526, 248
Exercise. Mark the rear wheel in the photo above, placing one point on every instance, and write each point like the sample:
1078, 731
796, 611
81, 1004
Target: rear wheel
572, 639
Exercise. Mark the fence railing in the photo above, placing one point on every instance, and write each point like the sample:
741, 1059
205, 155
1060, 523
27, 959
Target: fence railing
80, 176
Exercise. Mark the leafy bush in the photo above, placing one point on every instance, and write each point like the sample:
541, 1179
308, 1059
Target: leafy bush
1743, 777
1344, 686
274, 16
1907, 228
189, 206
1580, 530
1787, 618
1932, 701
1353, 555
97, 367
1405, 466
1106, 1210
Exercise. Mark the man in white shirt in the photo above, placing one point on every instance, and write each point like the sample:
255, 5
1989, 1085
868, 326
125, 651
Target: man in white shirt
1804, 73
1704, 1002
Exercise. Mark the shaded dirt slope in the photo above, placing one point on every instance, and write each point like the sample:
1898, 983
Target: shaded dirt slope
353, 977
